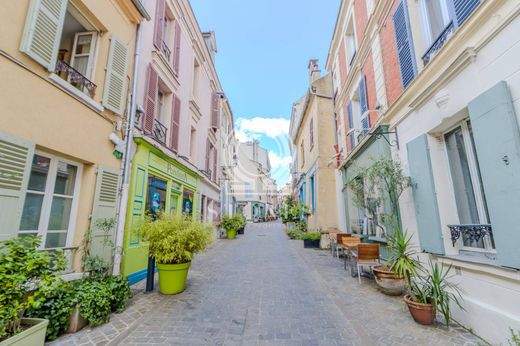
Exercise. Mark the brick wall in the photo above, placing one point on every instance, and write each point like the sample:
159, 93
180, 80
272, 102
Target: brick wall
368, 71
392, 74
361, 19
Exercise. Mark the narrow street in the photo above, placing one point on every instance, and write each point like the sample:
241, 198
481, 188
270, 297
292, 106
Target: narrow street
263, 289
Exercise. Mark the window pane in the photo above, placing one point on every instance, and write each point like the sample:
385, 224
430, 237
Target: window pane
31, 212
65, 179
462, 185
60, 213
39, 172
435, 17
58, 239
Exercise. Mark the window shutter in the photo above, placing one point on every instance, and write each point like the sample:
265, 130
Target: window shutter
215, 164
115, 82
150, 99
104, 207
424, 195
42, 32
158, 33
15, 166
177, 47
215, 110
497, 142
463, 9
403, 39
176, 116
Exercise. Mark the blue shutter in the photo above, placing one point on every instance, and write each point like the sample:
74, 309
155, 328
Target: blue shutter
424, 195
497, 141
463, 9
350, 116
403, 39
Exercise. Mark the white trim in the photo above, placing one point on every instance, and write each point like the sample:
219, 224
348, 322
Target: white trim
76, 92
49, 194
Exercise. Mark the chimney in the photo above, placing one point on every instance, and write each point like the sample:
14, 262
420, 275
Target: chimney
314, 71
211, 43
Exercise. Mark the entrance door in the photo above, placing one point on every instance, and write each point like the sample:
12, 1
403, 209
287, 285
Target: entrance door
174, 202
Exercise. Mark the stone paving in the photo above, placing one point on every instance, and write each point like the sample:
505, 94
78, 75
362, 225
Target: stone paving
263, 289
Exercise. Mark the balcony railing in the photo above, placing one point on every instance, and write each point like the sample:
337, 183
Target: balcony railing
75, 78
159, 131
166, 51
438, 43
473, 232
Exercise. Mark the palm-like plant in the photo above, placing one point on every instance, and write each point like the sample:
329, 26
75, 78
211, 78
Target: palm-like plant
435, 288
401, 259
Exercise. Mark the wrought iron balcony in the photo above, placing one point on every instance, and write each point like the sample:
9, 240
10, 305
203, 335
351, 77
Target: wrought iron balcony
166, 50
159, 131
438, 43
474, 232
75, 78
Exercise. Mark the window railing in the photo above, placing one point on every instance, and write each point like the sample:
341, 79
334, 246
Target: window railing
159, 131
69, 253
166, 50
75, 78
473, 232
438, 43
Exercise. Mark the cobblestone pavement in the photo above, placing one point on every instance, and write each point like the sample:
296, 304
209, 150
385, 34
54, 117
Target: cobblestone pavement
263, 289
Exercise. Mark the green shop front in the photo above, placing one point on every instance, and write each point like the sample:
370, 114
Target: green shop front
159, 184
368, 221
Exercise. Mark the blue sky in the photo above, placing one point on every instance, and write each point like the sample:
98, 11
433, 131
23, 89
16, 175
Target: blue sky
264, 47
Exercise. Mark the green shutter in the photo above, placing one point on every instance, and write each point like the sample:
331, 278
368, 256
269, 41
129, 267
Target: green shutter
424, 195
15, 167
104, 207
115, 82
497, 142
42, 32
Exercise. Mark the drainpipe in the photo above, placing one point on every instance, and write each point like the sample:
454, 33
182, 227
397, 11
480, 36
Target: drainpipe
127, 159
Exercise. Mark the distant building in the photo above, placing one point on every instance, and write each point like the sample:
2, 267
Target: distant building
312, 136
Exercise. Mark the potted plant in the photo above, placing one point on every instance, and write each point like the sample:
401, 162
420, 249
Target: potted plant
230, 225
311, 239
396, 273
431, 292
173, 240
241, 220
26, 273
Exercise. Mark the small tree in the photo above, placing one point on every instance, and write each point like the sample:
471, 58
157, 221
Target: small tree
376, 186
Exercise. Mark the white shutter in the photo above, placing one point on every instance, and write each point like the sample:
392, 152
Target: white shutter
42, 33
15, 166
104, 207
115, 81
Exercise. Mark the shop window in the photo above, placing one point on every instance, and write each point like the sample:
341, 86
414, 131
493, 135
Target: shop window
156, 201
187, 203
467, 184
52, 192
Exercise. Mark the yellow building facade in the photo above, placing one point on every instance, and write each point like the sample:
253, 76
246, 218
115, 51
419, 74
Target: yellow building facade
66, 72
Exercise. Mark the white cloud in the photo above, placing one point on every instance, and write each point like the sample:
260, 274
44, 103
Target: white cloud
279, 168
248, 129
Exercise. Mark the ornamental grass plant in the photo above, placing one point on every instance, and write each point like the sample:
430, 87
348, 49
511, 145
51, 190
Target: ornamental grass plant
175, 239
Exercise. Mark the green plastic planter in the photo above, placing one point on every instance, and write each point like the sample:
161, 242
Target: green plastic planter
34, 336
172, 277
231, 234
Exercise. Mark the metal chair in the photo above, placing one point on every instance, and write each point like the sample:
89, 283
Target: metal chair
368, 255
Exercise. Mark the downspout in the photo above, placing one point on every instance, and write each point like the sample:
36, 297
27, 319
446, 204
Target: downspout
127, 159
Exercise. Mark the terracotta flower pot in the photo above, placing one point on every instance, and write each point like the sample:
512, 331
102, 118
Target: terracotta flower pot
421, 313
387, 281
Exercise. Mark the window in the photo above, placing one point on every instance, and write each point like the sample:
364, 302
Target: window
77, 48
193, 143
311, 133
50, 201
467, 184
350, 41
196, 80
302, 153
160, 107
156, 201
435, 18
